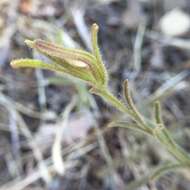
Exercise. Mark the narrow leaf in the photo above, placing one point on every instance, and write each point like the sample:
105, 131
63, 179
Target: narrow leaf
56, 51
33, 63
67, 56
157, 112
129, 125
97, 54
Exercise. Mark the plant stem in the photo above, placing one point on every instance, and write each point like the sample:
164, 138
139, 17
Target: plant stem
109, 97
165, 138
153, 129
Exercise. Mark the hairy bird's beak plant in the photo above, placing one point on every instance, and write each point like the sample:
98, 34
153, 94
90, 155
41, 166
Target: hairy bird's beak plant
90, 68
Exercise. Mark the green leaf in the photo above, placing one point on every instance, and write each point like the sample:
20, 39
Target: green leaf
128, 125
32, 63
157, 113
57, 51
67, 57
96, 52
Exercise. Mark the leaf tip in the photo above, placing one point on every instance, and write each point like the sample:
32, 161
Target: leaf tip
29, 43
14, 64
95, 27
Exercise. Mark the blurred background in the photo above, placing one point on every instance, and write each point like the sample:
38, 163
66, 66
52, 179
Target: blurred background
54, 135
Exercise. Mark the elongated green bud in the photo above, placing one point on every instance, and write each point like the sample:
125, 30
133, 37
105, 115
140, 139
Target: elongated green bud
79, 63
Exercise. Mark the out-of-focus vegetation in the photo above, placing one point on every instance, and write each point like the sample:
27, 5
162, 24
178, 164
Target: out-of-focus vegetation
54, 134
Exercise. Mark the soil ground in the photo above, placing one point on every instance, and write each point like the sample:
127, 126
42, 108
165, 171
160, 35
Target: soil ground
33, 102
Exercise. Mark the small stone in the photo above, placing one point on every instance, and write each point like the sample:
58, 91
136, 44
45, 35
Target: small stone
175, 23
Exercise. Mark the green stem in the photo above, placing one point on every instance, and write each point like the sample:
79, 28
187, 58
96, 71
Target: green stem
165, 138
163, 135
109, 97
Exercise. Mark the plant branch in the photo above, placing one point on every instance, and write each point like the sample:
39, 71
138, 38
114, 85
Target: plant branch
156, 130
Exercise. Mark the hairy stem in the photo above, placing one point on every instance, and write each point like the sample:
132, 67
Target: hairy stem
153, 129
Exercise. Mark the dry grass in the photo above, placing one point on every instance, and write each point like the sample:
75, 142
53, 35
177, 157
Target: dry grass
36, 108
